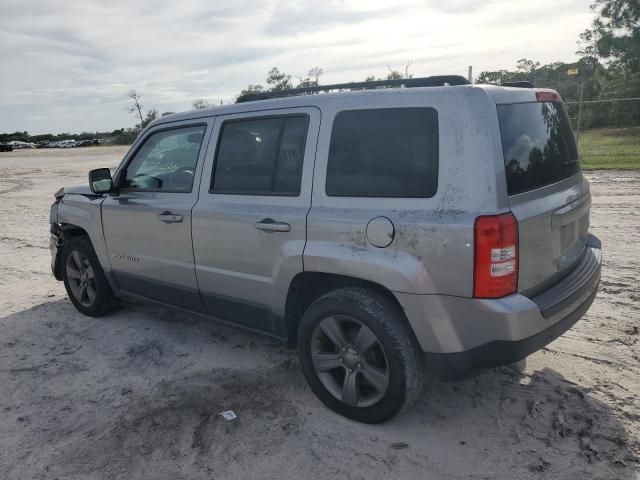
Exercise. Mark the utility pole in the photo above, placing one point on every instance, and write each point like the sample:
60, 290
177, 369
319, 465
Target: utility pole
470, 75
580, 110
576, 72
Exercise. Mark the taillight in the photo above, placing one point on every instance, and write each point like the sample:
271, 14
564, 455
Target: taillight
496, 256
548, 97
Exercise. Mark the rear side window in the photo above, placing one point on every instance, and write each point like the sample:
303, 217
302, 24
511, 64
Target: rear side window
537, 144
390, 152
261, 156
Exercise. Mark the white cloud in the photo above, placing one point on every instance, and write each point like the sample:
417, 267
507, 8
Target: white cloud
66, 66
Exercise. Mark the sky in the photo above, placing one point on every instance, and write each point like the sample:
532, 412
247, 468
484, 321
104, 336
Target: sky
66, 66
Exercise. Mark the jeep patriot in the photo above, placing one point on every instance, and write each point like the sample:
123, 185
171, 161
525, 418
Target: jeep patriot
386, 229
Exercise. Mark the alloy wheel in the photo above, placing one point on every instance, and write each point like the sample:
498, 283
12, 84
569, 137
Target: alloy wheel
81, 278
349, 360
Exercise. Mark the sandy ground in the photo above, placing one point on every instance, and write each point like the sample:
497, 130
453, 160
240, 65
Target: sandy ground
136, 394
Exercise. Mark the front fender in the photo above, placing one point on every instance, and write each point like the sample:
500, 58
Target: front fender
84, 212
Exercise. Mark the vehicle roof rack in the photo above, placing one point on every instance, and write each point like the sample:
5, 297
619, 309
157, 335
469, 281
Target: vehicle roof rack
435, 81
523, 84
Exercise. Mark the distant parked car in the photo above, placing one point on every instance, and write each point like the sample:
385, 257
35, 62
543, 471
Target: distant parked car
17, 144
43, 144
6, 147
67, 144
86, 143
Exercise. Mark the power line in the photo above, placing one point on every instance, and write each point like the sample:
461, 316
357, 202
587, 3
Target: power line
606, 100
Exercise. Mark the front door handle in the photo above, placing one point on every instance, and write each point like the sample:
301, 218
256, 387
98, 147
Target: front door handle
270, 225
168, 217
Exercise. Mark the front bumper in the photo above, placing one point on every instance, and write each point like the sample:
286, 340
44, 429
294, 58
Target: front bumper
55, 248
463, 334
55, 241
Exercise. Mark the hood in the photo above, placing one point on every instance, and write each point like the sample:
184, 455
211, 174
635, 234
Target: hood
74, 190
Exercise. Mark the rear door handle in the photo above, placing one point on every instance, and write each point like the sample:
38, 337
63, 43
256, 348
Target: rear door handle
168, 217
270, 225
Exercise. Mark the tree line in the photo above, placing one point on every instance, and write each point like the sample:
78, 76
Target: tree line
608, 68
276, 80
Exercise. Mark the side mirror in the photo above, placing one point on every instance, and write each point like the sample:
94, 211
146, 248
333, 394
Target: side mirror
100, 181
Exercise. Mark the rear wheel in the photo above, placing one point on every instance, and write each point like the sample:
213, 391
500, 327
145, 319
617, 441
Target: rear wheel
359, 355
84, 278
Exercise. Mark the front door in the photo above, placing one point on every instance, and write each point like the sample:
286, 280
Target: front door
147, 224
249, 225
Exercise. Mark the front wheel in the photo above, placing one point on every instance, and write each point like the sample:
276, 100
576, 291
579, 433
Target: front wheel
359, 355
84, 280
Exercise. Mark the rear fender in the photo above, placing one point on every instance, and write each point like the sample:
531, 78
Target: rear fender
395, 270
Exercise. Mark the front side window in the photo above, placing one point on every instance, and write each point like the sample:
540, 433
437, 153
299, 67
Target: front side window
390, 152
261, 156
166, 161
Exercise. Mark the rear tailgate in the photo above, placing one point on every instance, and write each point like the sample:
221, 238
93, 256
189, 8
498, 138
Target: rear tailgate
547, 192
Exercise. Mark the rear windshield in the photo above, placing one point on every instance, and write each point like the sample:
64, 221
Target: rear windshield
538, 145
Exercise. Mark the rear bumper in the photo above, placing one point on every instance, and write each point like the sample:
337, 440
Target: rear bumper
463, 334
504, 352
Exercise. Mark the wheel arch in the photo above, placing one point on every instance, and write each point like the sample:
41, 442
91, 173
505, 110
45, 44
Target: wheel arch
70, 230
81, 215
306, 287
65, 232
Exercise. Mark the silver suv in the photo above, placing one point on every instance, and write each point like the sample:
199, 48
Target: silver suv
385, 231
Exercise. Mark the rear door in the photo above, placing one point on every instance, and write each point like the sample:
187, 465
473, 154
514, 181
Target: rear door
249, 225
147, 224
547, 192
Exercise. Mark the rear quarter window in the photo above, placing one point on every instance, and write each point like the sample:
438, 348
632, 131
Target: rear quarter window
391, 152
537, 144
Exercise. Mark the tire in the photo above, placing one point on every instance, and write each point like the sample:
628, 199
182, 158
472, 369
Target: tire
371, 385
84, 279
